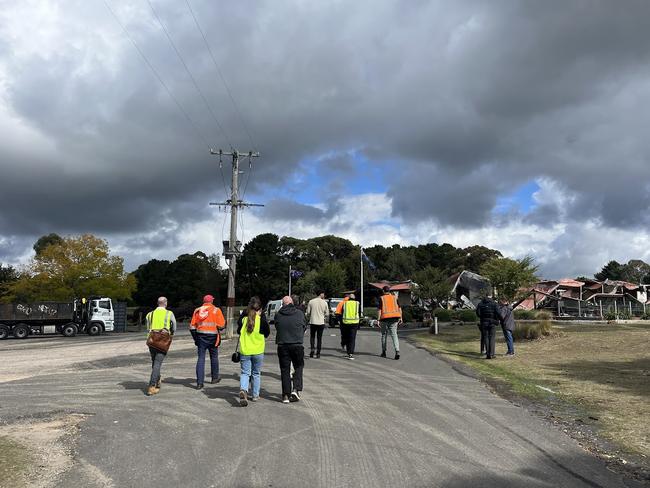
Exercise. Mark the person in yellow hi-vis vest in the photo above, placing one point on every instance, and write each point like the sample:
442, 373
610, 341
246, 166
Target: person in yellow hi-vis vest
253, 329
159, 319
350, 324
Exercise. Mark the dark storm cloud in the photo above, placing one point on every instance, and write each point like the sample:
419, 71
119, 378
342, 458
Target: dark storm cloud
472, 99
282, 209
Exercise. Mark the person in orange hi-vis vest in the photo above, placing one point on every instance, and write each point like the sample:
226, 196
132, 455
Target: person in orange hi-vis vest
390, 317
206, 323
339, 317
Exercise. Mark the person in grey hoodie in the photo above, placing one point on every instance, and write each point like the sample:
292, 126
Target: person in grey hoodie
290, 325
507, 319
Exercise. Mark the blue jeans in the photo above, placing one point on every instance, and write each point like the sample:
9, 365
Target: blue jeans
389, 326
205, 342
251, 366
509, 341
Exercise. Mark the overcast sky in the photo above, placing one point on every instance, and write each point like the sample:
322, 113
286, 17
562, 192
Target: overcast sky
519, 125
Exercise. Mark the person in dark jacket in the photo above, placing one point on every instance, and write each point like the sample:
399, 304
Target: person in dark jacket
507, 319
290, 325
488, 313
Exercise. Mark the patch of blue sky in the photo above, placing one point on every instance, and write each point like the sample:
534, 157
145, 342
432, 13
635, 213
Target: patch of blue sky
313, 182
521, 199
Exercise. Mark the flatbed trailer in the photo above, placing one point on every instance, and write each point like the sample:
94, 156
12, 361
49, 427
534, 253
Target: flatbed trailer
93, 316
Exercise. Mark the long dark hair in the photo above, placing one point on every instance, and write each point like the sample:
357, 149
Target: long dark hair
254, 306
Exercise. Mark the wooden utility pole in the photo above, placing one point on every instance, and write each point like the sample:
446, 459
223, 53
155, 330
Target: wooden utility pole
232, 247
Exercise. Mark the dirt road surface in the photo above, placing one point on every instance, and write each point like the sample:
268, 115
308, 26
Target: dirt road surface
371, 422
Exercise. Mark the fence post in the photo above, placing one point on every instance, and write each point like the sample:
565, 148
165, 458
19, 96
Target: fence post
435, 325
630, 302
616, 308
601, 310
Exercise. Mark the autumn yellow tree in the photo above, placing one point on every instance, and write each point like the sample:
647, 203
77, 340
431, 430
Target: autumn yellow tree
77, 266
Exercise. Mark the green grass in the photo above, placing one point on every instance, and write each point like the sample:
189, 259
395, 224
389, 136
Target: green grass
601, 371
14, 463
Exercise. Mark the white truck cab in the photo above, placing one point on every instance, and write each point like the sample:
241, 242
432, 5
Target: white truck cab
271, 309
101, 316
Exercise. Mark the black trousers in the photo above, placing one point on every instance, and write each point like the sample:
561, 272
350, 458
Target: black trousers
350, 333
316, 332
343, 335
490, 340
291, 354
157, 359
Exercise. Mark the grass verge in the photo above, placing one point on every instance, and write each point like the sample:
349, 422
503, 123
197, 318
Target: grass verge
602, 372
14, 463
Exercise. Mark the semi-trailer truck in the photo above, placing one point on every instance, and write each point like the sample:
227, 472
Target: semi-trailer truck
93, 316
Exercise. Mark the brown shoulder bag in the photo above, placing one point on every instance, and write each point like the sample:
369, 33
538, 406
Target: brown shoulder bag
160, 340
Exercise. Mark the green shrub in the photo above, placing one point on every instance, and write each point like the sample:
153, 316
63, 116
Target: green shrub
467, 316
407, 314
645, 316
543, 315
525, 314
370, 312
624, 315
533, 330
610, 315
442, 314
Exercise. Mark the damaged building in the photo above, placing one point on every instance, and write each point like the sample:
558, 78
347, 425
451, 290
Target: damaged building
587, 298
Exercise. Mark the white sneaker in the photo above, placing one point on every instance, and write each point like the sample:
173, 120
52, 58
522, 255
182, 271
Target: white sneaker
295, 396
285, 399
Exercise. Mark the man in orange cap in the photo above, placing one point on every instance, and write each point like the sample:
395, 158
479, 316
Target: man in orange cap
207, 321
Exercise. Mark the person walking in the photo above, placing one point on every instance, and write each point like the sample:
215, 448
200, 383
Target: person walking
390, 317
339, 318
488, 313
208, 320
158, 319
350, 324
290, 326
507, 319
253, 329
318, 315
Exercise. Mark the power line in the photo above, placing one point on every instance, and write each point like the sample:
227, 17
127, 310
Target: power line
223, 80
196, 85
157, 75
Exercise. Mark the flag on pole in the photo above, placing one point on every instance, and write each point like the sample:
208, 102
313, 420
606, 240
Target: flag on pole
367, 260
296, 274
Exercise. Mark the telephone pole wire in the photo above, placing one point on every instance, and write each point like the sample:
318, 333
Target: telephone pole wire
232, 247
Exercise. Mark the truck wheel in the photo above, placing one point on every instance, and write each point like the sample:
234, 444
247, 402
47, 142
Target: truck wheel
70, 330
94, 329
21, 331
4, 331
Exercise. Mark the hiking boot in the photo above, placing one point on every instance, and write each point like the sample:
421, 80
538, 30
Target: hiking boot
199, 386
397, 355
383, 354
285, 399
158, 384
152, 390
216, 380
311, 354
295, 396
243, 399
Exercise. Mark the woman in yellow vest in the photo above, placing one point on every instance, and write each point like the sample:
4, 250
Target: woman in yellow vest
253, 329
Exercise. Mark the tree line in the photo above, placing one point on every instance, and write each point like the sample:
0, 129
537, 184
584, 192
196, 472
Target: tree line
67, 267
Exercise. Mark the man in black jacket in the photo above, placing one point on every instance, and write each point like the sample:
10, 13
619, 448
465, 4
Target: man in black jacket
290, 325
488, 314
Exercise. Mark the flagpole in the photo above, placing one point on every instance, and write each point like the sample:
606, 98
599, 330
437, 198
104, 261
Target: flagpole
361, 263
289, 280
